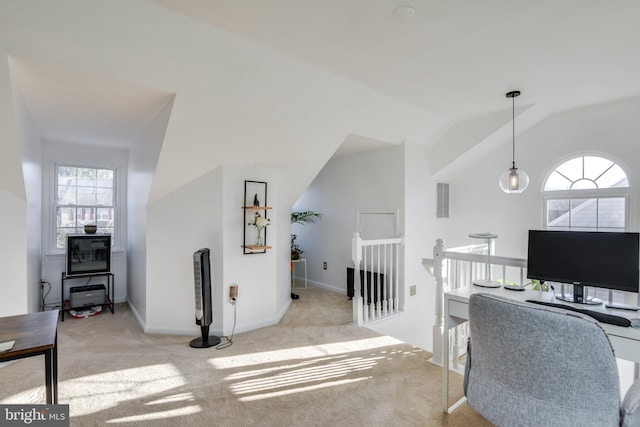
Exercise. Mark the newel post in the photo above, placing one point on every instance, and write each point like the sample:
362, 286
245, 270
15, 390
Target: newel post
357, 301
438, 325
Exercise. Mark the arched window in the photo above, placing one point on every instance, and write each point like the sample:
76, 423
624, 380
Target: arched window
587, 193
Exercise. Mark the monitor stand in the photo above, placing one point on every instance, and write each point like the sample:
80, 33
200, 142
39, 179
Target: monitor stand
578, 296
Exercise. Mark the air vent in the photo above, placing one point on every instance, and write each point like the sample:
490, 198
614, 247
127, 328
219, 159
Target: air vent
442, 202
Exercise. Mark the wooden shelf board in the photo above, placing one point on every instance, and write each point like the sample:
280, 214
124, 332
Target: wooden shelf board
256, 248
256, 208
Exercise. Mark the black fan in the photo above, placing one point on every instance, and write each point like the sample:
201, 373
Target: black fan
204, 313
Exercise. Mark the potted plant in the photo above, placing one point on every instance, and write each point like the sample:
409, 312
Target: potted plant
303, 217
295, 249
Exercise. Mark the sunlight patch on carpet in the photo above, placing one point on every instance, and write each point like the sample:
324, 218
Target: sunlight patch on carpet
306, 352
299, 389
301, 369
98, 392
160, 415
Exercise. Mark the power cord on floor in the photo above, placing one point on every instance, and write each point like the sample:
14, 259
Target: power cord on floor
230, 338
43, 305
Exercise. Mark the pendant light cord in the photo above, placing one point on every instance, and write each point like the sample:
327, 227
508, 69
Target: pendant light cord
512, 95
513, 127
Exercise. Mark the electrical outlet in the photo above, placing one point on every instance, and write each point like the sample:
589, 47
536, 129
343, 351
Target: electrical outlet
233, 293
412, 290
324, 265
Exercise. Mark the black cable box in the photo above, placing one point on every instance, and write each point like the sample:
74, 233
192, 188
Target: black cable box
87, 296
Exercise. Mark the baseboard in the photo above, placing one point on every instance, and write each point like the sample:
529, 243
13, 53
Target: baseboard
327, 287
239, 328
136, 315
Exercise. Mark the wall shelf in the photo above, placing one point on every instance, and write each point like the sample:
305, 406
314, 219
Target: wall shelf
255, 205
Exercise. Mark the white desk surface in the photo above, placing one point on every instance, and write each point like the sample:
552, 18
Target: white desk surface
625, 341
462, 295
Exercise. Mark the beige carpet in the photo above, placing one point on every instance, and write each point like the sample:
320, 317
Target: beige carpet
313, 369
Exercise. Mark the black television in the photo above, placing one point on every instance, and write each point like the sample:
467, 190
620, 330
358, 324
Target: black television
88, 254
609, 260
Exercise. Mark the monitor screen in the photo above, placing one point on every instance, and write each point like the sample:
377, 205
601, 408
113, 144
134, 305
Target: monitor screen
607, 260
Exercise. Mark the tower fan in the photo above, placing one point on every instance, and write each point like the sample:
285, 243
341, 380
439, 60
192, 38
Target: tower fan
204, 313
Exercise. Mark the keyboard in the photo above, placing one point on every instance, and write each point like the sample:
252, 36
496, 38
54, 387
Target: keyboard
611, 319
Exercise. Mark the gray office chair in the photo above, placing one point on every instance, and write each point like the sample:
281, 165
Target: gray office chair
531, 365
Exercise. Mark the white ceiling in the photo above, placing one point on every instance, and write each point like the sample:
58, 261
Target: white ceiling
73, 106
456, 59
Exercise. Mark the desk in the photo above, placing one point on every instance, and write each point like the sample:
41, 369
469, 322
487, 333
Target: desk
34, 334
625, 341
293, 272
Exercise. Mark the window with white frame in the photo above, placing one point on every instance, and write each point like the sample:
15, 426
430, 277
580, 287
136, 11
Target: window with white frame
587, 193
84, 195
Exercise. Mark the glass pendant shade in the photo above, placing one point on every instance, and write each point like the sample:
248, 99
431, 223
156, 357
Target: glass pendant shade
514, 180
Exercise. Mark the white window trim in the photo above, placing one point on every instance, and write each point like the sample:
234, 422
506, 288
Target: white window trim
50, 222
588, 194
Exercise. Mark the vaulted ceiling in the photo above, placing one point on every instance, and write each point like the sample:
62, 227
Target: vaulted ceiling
456, 59
452, 61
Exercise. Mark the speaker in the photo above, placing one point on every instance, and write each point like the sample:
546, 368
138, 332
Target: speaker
202, 285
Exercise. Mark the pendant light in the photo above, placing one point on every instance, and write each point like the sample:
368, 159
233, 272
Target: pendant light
514, 180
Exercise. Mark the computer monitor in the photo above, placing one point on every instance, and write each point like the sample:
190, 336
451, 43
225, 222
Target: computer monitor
609, 260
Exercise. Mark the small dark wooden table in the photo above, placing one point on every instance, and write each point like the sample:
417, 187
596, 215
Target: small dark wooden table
34, 334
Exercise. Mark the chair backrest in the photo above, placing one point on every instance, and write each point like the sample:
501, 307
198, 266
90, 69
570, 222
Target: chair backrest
531, 365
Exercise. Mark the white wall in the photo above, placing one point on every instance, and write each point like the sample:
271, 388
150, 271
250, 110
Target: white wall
258, 276
53, 260
143, 158
13, 258
369, 180
13, 227
31, 148
478, 204
178, 225
207, 213
421, 229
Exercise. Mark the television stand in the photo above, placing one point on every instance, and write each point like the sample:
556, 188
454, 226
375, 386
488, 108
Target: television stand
578, 296
66, 303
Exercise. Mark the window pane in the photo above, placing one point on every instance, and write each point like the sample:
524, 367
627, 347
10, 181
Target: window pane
65, 217
67, 175
86, 216
104, 218
572, 169
557, 182
66, 195
595, 166
614, 177
61, 236
104, 196
105, 178
584, 213
611, 213
86, 196
86, 177
558, 213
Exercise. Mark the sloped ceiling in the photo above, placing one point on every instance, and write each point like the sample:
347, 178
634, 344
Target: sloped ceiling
454, 59
79, 107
